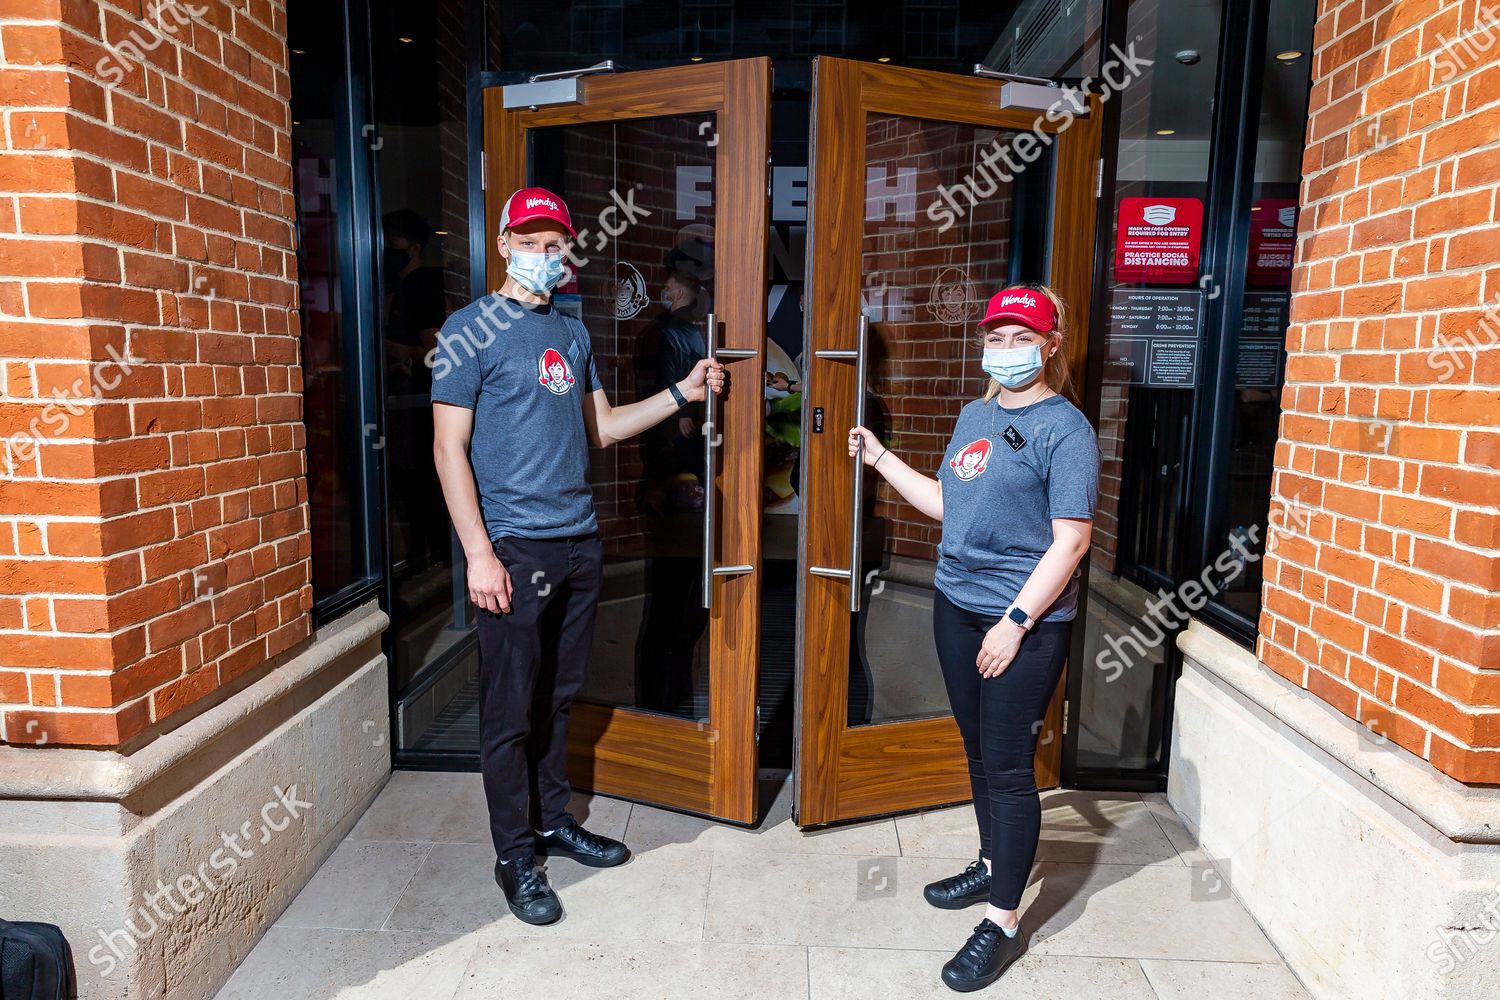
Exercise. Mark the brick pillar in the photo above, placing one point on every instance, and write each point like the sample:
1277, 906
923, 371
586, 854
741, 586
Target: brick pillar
1383, 584
153, 522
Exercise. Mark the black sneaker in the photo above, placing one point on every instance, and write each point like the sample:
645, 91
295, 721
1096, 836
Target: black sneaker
572, 841
970, 886
526, 891
981, 960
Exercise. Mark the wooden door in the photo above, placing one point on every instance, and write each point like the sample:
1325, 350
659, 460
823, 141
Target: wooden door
914, 221
665, 174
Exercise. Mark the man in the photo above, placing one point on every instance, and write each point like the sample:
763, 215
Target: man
516, 401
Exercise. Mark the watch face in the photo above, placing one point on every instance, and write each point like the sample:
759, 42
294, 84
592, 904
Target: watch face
1018, 616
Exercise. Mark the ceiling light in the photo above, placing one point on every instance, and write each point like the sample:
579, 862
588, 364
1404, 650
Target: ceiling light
1166, 131
883, 59
403, 38
1290, 55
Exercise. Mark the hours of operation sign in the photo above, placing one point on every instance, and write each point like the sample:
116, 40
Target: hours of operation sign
1153, 336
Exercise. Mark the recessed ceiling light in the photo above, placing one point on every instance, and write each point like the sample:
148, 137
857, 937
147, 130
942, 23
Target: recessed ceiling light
1290, 55
1166, 131
884, 59
298, 52
696, 59
440, 232
403, 38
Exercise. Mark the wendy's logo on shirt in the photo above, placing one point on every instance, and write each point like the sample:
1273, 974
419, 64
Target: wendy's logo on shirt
555, 373
971, 459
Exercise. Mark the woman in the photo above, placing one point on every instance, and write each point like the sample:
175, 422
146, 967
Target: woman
1016, 494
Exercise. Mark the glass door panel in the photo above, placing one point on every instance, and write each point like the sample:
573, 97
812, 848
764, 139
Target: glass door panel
663, 172
914, 223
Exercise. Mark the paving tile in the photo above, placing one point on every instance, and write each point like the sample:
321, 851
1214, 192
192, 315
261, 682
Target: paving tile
658, 894
868, 974
630, 970
357, 887
429, 806
1116, 908
1077, 827
1187, 848
831, 900
1151, 911
650, 827
448, 807
299, 963
1222, 981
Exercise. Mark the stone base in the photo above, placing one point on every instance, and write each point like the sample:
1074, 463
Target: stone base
164, 867
1374, 874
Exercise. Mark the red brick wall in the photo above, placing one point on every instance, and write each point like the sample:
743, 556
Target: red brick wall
1383, 586
153, 542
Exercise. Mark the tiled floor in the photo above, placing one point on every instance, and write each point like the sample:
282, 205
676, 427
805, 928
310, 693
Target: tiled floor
1120, 907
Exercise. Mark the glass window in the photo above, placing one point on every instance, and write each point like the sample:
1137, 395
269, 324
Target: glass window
338, 469
1242, 500
419, 137
1152, 328
924, 292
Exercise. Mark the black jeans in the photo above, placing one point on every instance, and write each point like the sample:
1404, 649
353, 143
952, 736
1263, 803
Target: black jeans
531, 665
999, 719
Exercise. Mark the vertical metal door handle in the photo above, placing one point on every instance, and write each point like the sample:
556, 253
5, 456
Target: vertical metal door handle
710, 474
710, 465
856, 533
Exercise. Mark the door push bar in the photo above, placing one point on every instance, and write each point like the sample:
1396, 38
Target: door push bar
711, 439
856, 534
550, 88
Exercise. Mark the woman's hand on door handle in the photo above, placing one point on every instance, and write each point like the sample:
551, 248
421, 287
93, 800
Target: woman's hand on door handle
922, 492
874, 450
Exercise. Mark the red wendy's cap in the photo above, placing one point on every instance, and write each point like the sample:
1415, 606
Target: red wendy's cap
1026, 306
530, 204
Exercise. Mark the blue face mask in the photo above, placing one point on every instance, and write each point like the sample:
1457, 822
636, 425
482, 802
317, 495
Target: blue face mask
1013, 367
538, 273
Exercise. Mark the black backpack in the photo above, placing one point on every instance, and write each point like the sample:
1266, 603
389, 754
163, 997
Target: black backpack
35, 963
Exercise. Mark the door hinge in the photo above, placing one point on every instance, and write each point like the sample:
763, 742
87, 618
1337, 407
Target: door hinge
757, 724
1065, 717
1099, 178
484, 172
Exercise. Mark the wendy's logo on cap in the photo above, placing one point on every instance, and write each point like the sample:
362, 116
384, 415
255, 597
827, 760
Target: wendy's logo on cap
545, 202
970, 461
554, 372
1019, 299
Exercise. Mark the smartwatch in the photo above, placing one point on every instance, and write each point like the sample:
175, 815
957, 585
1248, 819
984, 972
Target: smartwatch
1018, 616
677, 395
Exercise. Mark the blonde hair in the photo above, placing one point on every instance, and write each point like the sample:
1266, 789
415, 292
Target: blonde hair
1057, 372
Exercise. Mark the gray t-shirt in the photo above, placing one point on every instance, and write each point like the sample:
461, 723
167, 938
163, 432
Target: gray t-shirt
525, 373
1005, 476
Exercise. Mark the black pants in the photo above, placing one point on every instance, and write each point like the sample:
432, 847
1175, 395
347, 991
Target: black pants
999, 719
531, 665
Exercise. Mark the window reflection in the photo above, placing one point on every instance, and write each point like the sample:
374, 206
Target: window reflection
1243, 499
330, 362
420, 144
